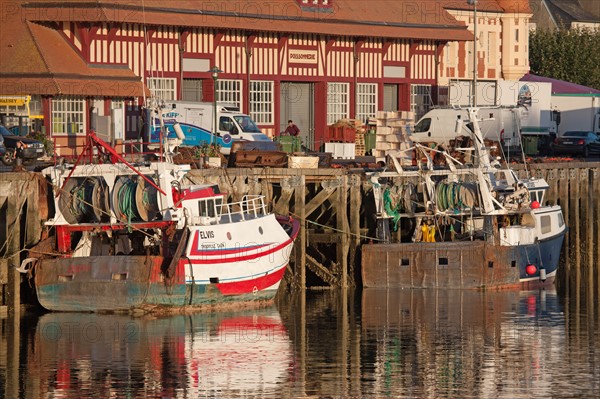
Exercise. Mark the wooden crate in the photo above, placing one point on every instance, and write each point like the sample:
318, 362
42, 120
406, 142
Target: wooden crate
298, 162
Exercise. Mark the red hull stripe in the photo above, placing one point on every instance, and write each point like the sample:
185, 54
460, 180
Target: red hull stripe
239, 258
249, 286
212, 252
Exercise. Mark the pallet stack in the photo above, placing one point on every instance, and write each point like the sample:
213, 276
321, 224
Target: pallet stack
348, 131
393, 131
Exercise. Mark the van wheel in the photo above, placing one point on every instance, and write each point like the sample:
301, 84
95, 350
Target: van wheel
8, 158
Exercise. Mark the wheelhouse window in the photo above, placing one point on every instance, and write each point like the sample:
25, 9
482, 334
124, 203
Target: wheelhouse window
163, 88
261, 102
207, 208
545, 224
337, 101
68, 115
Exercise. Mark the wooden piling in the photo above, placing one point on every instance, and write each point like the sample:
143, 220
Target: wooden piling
564, 202
343, 228
589, 206
299, 184
576, 183
355, 207
595, 189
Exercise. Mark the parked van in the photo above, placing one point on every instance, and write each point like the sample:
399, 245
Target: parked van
503, 124
196, 120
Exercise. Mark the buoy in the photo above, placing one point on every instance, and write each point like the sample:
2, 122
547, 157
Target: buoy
543, 274
535, 205
530, 269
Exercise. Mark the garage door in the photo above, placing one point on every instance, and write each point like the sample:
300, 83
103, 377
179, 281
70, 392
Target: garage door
297, 104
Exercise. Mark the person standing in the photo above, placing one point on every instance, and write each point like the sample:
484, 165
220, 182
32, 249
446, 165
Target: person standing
292, 129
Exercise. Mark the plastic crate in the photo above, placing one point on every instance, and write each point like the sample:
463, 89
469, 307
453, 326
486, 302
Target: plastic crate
340, 134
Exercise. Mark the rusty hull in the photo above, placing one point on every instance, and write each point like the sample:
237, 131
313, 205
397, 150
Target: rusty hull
464, 264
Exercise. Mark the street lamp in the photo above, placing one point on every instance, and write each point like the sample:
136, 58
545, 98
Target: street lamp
474, 4
215, 71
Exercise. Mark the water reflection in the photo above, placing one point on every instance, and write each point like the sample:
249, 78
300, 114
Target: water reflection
214, 355
471, 344
374, 343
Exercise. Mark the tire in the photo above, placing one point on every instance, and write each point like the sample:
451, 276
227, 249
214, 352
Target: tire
586, 152
8, 158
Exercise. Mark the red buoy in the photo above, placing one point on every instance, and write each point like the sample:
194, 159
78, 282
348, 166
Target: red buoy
530, 269
535, 205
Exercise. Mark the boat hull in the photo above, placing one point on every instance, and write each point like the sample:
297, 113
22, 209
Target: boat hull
120, 283
459, 264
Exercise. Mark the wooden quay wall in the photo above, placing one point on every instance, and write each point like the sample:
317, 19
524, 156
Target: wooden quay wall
337, 214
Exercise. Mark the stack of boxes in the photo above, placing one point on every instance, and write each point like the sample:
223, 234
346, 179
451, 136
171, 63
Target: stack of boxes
341, 138
393, 131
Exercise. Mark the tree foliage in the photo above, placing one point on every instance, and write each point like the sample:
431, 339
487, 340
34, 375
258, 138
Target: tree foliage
572, 55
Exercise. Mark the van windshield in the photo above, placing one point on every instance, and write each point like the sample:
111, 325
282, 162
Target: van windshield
423, 125
247, 124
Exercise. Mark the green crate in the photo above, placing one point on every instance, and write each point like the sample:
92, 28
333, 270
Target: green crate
530, 145
290, 143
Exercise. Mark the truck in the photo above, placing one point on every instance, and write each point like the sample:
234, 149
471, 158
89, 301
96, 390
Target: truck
196, 120
522, 119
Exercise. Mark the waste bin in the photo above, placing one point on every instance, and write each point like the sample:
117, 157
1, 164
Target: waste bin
290, 144
370, 139
530, 145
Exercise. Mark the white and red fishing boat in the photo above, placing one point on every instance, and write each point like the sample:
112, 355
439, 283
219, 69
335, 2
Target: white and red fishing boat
134, 235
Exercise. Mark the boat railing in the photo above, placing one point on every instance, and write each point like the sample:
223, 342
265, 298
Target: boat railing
250, 207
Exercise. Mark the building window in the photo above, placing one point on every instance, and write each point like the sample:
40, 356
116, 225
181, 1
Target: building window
68, 115
229, 91
261, 102
192, 90
366, 101
163, 88
337, 101
420, 100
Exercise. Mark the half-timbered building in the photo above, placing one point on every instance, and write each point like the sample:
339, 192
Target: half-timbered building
313, 61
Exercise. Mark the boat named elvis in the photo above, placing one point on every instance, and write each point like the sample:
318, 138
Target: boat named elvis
461, 225
128, 235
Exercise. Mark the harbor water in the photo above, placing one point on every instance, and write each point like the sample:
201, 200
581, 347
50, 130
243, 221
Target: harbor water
370, 343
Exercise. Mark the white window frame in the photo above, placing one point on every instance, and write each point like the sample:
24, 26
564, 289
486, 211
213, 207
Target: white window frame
337, 101
68, 115
230, 91
163, 88
420, 100
261, 101
366, 101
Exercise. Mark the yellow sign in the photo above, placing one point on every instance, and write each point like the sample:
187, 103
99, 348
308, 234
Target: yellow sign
17, 101
302, 56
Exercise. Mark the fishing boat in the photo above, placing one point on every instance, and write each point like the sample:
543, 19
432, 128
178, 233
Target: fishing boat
133, 236
453, 224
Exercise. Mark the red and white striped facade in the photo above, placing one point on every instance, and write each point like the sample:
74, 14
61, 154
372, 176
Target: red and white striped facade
159, 51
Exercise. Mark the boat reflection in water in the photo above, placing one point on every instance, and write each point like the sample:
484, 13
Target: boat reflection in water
200, 355
450, 343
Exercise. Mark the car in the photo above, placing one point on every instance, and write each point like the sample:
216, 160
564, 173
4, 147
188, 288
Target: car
577, 142
2, 146
32, 149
